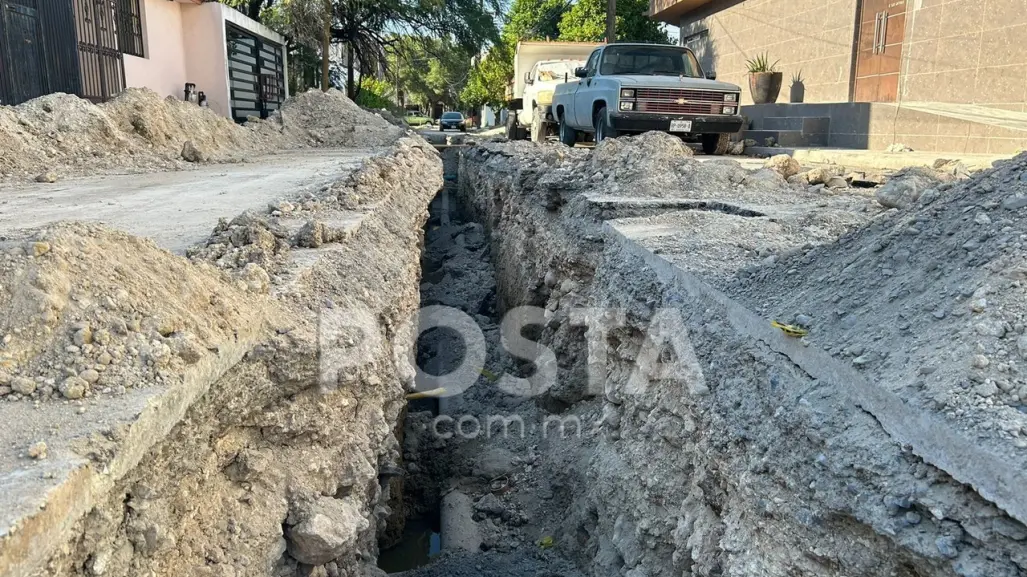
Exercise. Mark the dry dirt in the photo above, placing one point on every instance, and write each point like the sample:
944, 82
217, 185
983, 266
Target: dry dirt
61, 135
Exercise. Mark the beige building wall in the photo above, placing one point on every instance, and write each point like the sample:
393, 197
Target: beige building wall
814, 37
966, 51
205, 53
163, 69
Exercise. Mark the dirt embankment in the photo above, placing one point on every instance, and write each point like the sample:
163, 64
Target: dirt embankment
756, 453
61, 135
216, 415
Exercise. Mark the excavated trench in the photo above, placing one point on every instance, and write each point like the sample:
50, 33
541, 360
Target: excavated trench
567, 453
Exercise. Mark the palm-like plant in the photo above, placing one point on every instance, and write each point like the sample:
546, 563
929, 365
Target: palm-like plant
761, 63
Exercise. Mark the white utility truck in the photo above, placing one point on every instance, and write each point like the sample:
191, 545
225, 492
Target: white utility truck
538, 68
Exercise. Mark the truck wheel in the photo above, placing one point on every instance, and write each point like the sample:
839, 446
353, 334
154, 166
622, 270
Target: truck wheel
568, 135
715, 143
538, 130
602, 125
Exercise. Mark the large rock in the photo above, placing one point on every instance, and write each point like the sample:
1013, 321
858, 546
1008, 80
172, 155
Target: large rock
191, 153
327, 529
906, 186
495, 462
784, 165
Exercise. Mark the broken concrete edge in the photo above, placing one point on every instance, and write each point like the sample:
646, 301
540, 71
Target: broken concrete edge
458, 530
876, 159
996, 479
29, 538
29, 541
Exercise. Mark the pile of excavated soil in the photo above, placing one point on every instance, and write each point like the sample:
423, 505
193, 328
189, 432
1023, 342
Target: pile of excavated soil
138, 131
88, 310
929, 301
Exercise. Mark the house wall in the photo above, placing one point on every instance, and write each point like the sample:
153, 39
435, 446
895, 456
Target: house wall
205, 53
815, 38
966, 51
163, 70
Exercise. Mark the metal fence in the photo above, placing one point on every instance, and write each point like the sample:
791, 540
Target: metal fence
37, 49
100, 59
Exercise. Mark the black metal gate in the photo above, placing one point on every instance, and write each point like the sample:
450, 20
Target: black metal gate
255, 74
101, 62
37, 49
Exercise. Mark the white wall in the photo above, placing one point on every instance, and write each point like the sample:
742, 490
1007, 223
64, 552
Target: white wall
186, 42
163, 69
203, 29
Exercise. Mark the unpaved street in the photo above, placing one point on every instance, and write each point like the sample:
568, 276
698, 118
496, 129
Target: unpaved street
176, 209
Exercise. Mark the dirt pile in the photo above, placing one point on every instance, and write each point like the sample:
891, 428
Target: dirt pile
930, 299
90, 311
138, 131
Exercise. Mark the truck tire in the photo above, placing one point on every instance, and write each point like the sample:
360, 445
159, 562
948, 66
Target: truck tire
538, 128
602, 126
568, 135
715, 143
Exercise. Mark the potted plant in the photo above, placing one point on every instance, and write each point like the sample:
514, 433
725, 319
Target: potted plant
764, 79
798, 90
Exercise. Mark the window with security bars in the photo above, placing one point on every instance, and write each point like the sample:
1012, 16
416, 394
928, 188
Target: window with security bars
129, 24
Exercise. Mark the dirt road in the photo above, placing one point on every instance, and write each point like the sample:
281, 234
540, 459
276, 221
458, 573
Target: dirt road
176, 209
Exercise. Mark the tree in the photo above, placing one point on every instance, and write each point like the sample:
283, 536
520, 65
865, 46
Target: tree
586, 22
487, 83
533, 20
429, 70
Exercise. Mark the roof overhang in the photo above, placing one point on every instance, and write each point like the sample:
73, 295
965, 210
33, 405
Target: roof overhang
671, 11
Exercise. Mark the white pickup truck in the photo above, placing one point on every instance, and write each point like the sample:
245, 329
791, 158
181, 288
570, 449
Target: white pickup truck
632, 88
539, 67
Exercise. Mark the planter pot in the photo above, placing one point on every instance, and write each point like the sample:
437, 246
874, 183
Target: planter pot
798, 92
765, 86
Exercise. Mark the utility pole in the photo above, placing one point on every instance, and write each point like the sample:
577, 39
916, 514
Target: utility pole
611, 21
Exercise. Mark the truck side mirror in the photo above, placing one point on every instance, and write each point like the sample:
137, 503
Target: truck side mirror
581, 72
710, 74
527, 78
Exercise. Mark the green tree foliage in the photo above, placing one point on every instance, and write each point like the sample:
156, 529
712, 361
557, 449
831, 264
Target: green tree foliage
533, 20
586, 22
375, 94
487, 83
429, 70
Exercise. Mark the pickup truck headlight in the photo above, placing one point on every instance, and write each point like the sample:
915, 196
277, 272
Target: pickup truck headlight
729, 110
731, 97
544, 97
627, 105
627, 92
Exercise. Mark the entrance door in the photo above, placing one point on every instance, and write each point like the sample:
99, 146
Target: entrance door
23, 48
881, 30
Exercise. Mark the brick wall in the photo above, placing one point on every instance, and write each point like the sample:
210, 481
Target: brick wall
815, 37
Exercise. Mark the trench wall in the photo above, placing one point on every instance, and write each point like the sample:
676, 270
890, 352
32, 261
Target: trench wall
745, 463
263, 463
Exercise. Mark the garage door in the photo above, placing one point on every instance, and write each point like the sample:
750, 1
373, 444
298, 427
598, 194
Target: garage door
255, 74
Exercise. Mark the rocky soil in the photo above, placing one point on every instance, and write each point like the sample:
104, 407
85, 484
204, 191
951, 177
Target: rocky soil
739, 462
275, 469
61, 135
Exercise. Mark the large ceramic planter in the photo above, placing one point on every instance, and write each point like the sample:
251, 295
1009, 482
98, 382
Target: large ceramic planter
764, 87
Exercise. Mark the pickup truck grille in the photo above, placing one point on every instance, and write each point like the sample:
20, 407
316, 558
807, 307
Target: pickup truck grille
672, 107
674, 94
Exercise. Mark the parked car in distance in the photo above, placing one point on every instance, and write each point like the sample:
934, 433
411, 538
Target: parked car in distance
414, 118
633, 88
454, 120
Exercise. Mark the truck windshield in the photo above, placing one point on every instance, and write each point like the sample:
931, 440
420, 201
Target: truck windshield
550, 71
649, 60
452, 116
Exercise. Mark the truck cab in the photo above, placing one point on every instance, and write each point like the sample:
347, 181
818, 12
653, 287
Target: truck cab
540, 83
539, 67
634, 88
